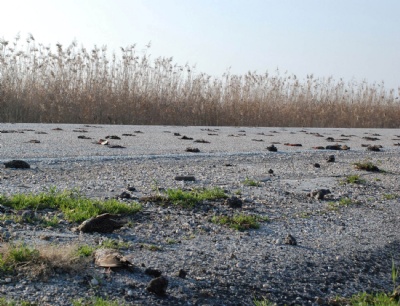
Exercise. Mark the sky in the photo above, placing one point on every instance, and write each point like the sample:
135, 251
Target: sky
350, 39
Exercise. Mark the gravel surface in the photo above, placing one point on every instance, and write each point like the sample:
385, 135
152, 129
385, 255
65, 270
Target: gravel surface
340, 249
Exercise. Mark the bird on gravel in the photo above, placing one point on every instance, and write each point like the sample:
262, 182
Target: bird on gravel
110, 258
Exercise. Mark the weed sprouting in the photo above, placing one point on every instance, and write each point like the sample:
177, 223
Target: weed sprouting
39, 260
251, 182
239, 222
85, 250
151, 247
184, 198
390, 196
353, 179
367, 166
115, 244
75, 206
263, 302
98, 301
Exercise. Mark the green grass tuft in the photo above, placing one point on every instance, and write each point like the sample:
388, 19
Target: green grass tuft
263, 302
115, 244
376, 299
75, 207
98, 301
183, 198
16, 254
390, 196
151, 247
85, 250
367, 166
239, 222
250, 182
353, 179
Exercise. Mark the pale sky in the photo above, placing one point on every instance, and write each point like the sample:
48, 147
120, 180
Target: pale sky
347, 39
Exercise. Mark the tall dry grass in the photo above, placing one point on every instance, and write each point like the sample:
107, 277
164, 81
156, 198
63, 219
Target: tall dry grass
75, 85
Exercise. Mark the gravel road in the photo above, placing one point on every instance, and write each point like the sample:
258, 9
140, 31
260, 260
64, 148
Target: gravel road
345, 242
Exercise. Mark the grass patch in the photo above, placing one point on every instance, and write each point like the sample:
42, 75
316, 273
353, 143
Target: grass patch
115, 244
50, 222
76, 207
390, 196
367, 166
39, 261
239, 222
171, 241
151, 247
263, 302
367, 299
342, 202
353, 179
87, 250
252, 183
183, 198
345, 202
98, 301
14, 255
6, 302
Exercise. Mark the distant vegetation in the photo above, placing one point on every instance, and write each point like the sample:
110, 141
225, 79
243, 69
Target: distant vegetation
72, 84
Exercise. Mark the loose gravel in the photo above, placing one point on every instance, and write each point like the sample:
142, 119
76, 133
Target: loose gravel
341, 249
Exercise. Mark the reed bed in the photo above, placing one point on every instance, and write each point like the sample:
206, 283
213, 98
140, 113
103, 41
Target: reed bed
72, 84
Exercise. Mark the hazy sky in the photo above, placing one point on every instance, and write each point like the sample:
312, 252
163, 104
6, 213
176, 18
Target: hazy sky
357, 39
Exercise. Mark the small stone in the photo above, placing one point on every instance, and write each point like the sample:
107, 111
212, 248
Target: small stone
103, 142
182, 273
153, 272
293, 144
272, 148
333, 147
113, 137
94, 282
27, 214
290, 240
239, 265
17, 164
105, 223
187, 178
131, 188
319, 194
192, 150
375, 148
316, 165
270, 171
158, 286
330, 159
124, 195
233, 202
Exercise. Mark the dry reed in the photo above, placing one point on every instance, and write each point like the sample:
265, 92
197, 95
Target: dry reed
75, 85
